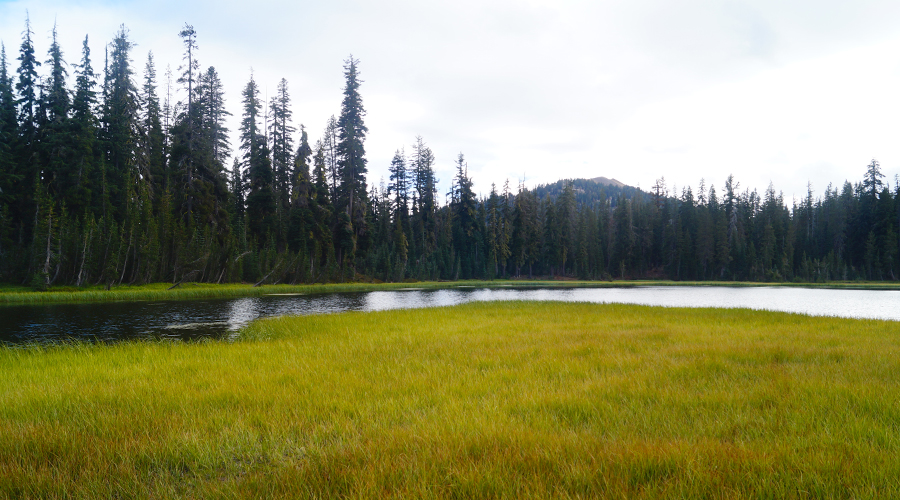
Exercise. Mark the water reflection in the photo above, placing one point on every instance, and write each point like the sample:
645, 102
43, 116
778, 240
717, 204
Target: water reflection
188, 320
242, 311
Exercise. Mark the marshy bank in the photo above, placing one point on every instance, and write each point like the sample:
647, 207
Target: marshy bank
486, 399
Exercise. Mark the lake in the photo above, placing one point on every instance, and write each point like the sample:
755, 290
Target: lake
222, 318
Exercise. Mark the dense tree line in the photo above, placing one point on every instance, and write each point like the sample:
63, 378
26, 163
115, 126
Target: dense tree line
104, 178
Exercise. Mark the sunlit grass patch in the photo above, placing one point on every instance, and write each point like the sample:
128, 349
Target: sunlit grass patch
516, 399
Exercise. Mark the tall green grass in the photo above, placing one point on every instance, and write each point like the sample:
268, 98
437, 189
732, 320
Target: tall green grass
187, 291
483, 400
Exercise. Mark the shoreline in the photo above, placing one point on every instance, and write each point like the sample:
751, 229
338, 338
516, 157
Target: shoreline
20, 295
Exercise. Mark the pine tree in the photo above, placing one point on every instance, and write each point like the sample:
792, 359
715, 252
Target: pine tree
189, 73
280, 130
56, 133
329, 144
9, 176
214, 116
152, 139
120, 121
463, 207
301, 214
237, 197
399, 186
872, 184
167, 113
201, 186
566, 217
84, 122
27, 90
424, 202
57, 95
184, 156
261, 197
250, 119
26, 154
351, 154
300, 174
323, 210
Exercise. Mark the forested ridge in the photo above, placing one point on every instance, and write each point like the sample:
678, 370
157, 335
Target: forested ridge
106, 179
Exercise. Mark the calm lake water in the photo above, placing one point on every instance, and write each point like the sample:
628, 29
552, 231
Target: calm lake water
222, 318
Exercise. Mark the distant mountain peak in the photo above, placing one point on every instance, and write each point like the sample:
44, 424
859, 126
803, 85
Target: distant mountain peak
608, 182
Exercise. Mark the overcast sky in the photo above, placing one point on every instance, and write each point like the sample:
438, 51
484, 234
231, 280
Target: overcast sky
786, 92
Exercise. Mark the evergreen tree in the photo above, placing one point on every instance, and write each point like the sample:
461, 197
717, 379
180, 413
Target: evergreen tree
84, 122
323, 210
300, 175
120, 123
872, 184
27, 168
351, 153
302, 197
280, 131
214, 116
329, 144
399, 186
152, 139
261, 197
237, 197
57, 97
424, 202
27, 91
56, 132
189, 71
250, 119
463, 206
184, 155
9, 176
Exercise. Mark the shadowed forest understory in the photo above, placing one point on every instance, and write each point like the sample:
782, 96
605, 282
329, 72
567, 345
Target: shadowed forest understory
105, 178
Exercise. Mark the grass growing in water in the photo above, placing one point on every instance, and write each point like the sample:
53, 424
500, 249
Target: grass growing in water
479, 400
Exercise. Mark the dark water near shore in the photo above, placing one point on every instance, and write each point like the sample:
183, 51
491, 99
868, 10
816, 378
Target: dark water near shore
222, 318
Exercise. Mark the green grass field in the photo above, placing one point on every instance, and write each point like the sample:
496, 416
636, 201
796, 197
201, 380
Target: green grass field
483, 400
17, 294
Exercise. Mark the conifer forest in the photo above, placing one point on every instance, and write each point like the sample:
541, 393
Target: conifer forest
105, 180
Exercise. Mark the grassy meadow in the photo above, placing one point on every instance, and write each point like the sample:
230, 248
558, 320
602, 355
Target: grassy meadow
482, 400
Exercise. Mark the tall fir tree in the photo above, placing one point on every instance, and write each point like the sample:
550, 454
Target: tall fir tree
329, 151
463, 206
152, 154
258, 164
351, 140
237, 198
84, 123
121, 115
26, 153
399, 187
424, 200
215, 115
351, 152
301, 212
27, 102
280, 135
9, 177
60, 173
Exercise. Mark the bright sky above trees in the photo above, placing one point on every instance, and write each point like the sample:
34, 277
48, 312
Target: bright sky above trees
633, 90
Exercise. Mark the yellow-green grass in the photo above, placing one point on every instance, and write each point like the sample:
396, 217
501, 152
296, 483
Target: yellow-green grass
11, 294
505, 400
